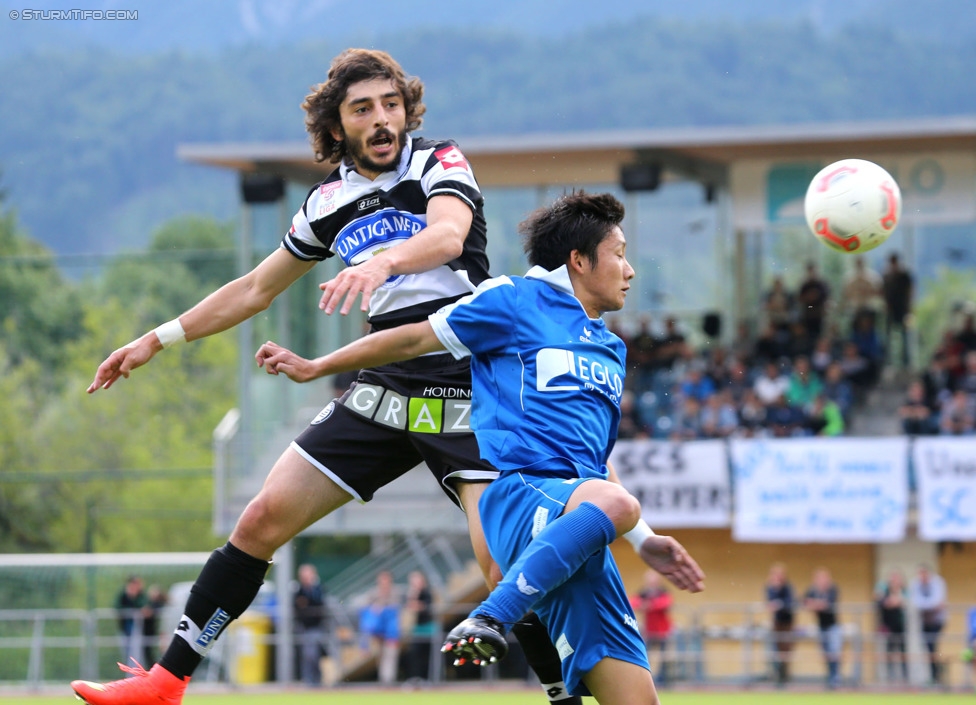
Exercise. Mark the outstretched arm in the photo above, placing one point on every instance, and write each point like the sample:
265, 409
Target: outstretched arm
448, 222
400, 343
663, 553
232, 303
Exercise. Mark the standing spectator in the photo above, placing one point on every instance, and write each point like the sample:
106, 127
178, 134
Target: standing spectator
779, 604
863, 290
420, 608
821, 599
641, 355
891, 597
671, 345
780, 305
969, 653
379, 627
897, 286
812, 297
130, 603
653, 604
917, 418
928, 597
311, 624
156, 601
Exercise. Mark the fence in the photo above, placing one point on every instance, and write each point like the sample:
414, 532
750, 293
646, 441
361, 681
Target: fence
717, 645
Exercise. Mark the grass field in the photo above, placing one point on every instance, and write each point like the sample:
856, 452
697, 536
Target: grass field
506, 696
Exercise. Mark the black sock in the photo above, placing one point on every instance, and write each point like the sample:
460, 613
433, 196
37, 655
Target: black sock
226, 586
542, 657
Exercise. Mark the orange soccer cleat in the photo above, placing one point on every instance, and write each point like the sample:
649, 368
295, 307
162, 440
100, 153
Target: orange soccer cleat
157, 686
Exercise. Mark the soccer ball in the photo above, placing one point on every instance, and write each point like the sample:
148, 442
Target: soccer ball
852, 205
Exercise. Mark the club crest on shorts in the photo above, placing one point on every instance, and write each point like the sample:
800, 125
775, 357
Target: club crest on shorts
324, 414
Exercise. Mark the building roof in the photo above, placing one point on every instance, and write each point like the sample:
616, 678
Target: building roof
702, 153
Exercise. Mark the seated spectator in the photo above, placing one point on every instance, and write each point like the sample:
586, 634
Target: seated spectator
718, 416
857, 369
822, 355
784, 420
967, 381
804, 385
752, 415
958, 416
951, 351
687, 421
936, 380
773, 343
771, 384
865, 336
838, 389
966, 335
697, 384
379, 627
917, 417
801, 342
631, 421
737, 381
823, 417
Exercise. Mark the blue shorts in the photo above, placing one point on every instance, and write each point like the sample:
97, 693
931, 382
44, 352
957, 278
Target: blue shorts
589, 617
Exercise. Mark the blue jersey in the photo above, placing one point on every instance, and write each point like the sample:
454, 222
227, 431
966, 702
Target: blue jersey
546, 378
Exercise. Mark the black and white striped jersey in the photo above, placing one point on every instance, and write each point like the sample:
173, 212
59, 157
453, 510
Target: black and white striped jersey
355, 218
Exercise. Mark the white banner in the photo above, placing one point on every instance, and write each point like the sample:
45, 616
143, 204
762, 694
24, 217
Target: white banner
823, 490
679, 485
945, 474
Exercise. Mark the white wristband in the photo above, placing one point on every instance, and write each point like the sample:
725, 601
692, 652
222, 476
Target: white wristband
638, 534
170, 333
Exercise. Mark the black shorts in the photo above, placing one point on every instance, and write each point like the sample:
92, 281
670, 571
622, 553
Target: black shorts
393, 418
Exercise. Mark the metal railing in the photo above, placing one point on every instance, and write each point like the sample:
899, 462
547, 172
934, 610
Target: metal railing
716, 644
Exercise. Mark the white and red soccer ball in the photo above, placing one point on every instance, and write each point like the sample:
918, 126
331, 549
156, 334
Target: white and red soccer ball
852, 205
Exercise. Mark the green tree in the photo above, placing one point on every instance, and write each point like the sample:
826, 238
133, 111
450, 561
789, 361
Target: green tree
935, 311
148, 438
40, 312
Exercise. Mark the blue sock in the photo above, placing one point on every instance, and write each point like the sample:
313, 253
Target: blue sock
558, 551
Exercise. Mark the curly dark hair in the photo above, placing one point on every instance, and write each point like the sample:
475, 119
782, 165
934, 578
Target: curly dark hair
576, 221
321, 106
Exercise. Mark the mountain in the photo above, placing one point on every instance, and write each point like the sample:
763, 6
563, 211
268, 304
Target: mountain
90, 126
218, 24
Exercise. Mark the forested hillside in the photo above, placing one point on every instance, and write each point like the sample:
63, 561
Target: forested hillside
89, 136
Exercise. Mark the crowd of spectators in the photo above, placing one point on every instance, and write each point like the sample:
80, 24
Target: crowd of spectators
811, 364
941, 399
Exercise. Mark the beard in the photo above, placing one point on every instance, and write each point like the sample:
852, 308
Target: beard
357, 152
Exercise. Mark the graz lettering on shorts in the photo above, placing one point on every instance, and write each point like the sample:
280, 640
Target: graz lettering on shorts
416, 414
